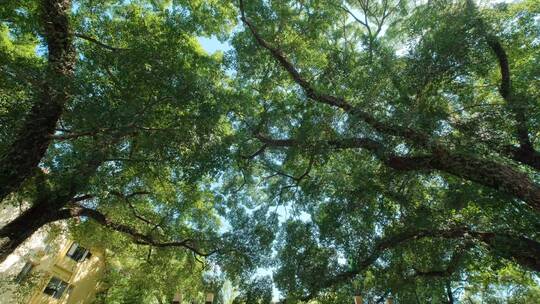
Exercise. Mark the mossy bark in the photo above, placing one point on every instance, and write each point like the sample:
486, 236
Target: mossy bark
22, 157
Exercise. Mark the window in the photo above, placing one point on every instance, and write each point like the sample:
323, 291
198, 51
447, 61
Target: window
55, 288
78, 253
24, 272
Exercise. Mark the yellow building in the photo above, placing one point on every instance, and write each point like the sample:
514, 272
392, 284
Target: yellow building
51, 270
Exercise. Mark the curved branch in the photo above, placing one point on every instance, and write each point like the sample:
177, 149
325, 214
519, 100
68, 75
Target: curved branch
522, 250
505, 90
485, 172
136, 214
339, 102
482, 171
138, 237
526, 153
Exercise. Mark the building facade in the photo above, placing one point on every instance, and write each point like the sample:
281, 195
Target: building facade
50, 269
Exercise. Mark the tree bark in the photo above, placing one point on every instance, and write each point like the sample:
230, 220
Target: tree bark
525, 155
489, 173
485, 172
32, 140
448, 286
523, 251
24, 226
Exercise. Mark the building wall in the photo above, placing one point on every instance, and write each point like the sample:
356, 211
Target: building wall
83, 277
48, 255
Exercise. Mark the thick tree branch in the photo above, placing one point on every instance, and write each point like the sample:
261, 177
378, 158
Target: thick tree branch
526, 153
488, 173
506, 92
138, 237
502, 58
524, 251
485, 172
448, 286
517, 104
339, 102
344, 143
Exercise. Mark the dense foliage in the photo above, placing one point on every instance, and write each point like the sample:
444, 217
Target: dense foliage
142, 128
368, 147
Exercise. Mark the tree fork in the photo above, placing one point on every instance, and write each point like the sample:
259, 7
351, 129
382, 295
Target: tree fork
24, 226
488, 173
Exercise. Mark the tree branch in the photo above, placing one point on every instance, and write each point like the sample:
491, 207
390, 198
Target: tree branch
505, 90
525, 153
99, 43
138, 237
73, 135
489, 173
127, 197
521, 250
339, 102
256, 153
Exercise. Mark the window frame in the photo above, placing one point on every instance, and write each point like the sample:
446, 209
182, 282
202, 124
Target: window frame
77, 252
25, 271
56, 287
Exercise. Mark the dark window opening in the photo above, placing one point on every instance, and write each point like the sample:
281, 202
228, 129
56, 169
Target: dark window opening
78, 253
24, 272
55, 288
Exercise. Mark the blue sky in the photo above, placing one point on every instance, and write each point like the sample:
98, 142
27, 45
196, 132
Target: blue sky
212, 45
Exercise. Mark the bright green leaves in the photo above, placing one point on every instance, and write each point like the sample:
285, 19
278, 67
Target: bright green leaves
492, 285
176, 140
142, 138
259, 291
21, 70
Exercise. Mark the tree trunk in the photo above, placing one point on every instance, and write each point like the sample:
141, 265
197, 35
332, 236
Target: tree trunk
50, 207
32, 140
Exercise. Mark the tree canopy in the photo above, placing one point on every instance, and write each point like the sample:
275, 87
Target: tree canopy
373, 147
